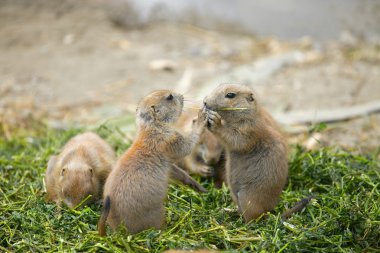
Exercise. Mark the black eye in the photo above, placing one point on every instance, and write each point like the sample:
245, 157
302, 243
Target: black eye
170, 97
230, 95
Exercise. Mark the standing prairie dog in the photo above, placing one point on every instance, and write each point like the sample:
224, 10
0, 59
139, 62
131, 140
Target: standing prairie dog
81, 169
135, 190
256, 152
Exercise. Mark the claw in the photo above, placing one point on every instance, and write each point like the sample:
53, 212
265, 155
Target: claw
200, 188
206, 171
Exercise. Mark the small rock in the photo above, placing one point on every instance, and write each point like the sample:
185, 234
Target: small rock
313, 141
124, 44
68, 39
162, 64
348, 39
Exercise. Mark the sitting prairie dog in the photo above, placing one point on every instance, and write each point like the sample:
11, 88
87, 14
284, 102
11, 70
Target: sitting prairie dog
206, 158
256, 152
135, 190
81, 169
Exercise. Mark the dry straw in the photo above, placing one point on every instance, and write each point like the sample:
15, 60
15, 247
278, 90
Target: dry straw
223, 108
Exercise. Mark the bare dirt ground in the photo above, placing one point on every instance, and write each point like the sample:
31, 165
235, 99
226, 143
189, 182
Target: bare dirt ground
65, 62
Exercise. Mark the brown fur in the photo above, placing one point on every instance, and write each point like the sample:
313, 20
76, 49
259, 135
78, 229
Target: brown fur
256, 151
79, 170
137, 187
206, 158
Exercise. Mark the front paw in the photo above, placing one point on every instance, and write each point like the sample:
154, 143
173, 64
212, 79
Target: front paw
202, 118
213, 120
205, 171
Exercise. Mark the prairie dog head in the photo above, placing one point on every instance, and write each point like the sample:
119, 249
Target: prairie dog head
77, 181
163, 106
230, 100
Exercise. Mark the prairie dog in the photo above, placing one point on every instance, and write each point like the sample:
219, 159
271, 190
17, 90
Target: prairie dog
207, 157
79, 170
206, 153
135, 190
256, 152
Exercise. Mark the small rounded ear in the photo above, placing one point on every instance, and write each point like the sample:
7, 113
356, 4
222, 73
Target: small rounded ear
145, 115
51, 163
250, 98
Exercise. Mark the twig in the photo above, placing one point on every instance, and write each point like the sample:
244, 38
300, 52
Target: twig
221, 109
233, 109
327, 116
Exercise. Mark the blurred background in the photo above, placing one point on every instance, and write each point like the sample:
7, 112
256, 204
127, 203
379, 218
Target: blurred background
82, 62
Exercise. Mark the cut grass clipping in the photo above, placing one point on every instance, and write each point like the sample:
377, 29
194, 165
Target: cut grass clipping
344, 217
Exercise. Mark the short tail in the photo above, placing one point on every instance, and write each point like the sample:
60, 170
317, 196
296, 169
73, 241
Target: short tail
296, 208
103, 218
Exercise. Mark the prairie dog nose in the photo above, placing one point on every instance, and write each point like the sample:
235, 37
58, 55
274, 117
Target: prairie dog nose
205, 105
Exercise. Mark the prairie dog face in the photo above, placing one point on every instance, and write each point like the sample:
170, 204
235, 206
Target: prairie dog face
77, 182
227, 96
160, 106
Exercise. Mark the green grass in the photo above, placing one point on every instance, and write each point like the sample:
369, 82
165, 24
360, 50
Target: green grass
344, 217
